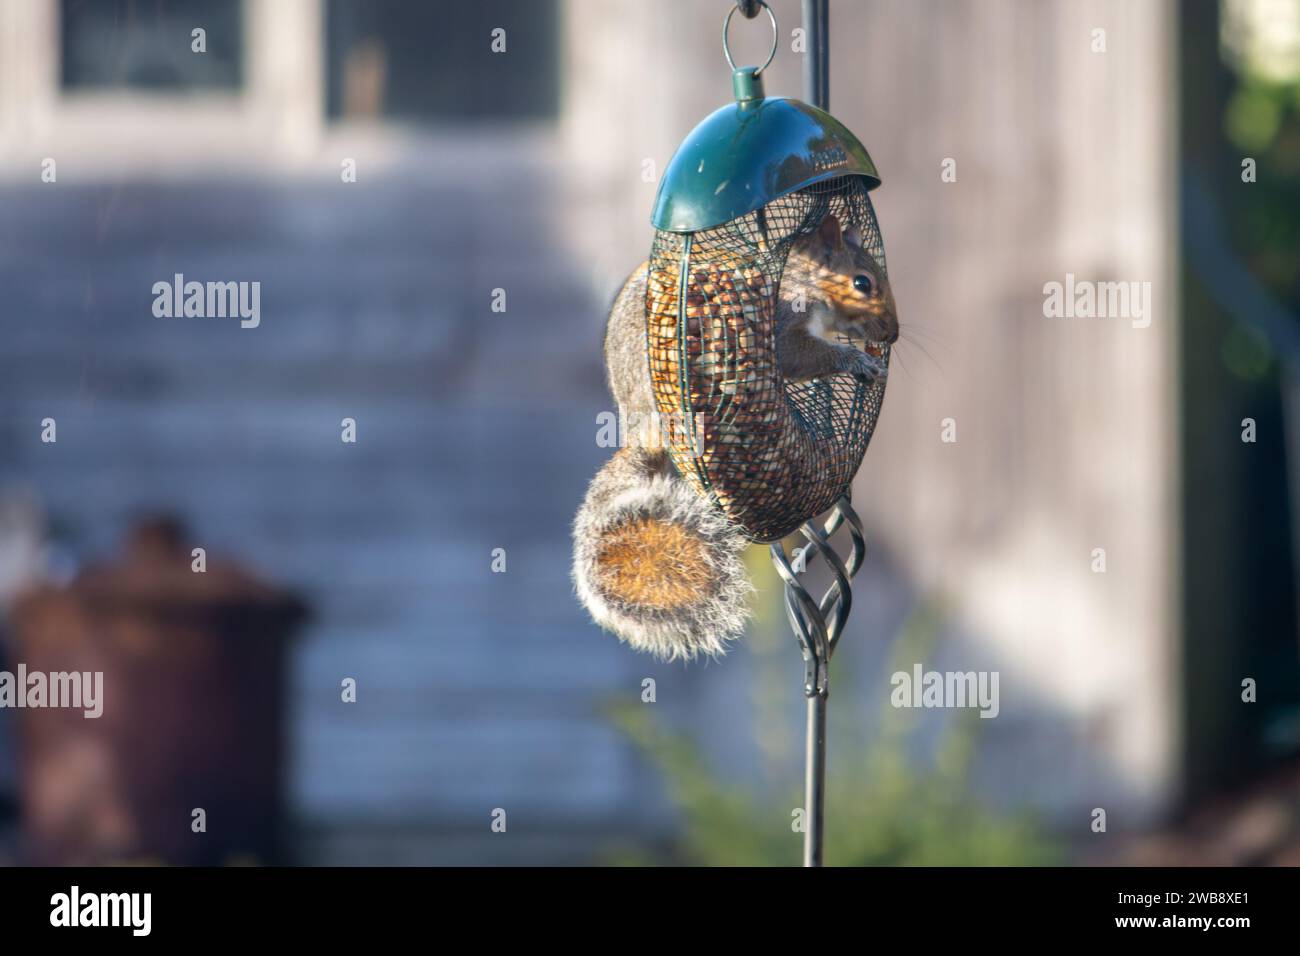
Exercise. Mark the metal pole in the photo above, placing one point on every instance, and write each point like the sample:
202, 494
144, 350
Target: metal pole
817, 61
815, 780
816, 18
818, 626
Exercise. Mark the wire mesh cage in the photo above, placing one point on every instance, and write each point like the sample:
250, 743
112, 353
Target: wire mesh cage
772, 453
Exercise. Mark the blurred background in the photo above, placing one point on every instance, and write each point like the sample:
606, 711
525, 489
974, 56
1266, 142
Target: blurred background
383, 662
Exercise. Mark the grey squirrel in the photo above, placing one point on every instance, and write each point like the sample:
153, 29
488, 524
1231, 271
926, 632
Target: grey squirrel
657, 563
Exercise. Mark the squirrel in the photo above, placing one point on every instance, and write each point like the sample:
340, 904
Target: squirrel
657, 563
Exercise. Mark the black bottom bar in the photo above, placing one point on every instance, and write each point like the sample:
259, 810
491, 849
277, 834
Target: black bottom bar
217, 906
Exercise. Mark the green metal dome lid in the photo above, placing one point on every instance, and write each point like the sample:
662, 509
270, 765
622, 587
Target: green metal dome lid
748, 153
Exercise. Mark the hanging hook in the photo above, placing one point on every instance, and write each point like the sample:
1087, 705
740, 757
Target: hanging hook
726, 25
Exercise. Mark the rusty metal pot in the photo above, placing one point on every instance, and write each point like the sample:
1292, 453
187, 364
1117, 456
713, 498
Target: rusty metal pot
193, 666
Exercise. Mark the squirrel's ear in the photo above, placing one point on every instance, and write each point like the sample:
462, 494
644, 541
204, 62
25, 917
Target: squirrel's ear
829, 231
853, 237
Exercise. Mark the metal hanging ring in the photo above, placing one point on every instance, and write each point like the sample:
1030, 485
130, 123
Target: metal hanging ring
726, 47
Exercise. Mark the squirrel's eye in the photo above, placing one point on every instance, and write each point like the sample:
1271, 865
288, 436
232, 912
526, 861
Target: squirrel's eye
863, 284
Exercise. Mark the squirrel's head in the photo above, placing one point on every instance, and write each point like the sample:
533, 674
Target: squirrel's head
847, 280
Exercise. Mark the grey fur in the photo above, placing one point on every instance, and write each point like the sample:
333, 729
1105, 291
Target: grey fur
626, 361
638, 483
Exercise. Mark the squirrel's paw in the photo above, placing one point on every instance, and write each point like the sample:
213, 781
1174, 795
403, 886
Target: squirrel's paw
864, 367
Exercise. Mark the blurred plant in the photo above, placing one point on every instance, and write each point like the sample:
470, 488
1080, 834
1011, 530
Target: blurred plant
1260, 44
881, 809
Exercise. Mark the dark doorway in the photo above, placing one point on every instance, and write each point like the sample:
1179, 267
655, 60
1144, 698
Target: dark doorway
1240, 242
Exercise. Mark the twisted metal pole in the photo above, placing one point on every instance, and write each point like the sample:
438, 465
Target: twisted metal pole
816, 632
818, 626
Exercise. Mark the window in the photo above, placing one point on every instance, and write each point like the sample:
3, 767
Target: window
146, 44
426, 61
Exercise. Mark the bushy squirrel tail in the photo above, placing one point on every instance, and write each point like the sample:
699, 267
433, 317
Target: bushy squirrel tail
656, 563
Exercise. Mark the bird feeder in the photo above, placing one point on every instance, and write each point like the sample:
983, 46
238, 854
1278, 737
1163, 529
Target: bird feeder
743, 187
741, 190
